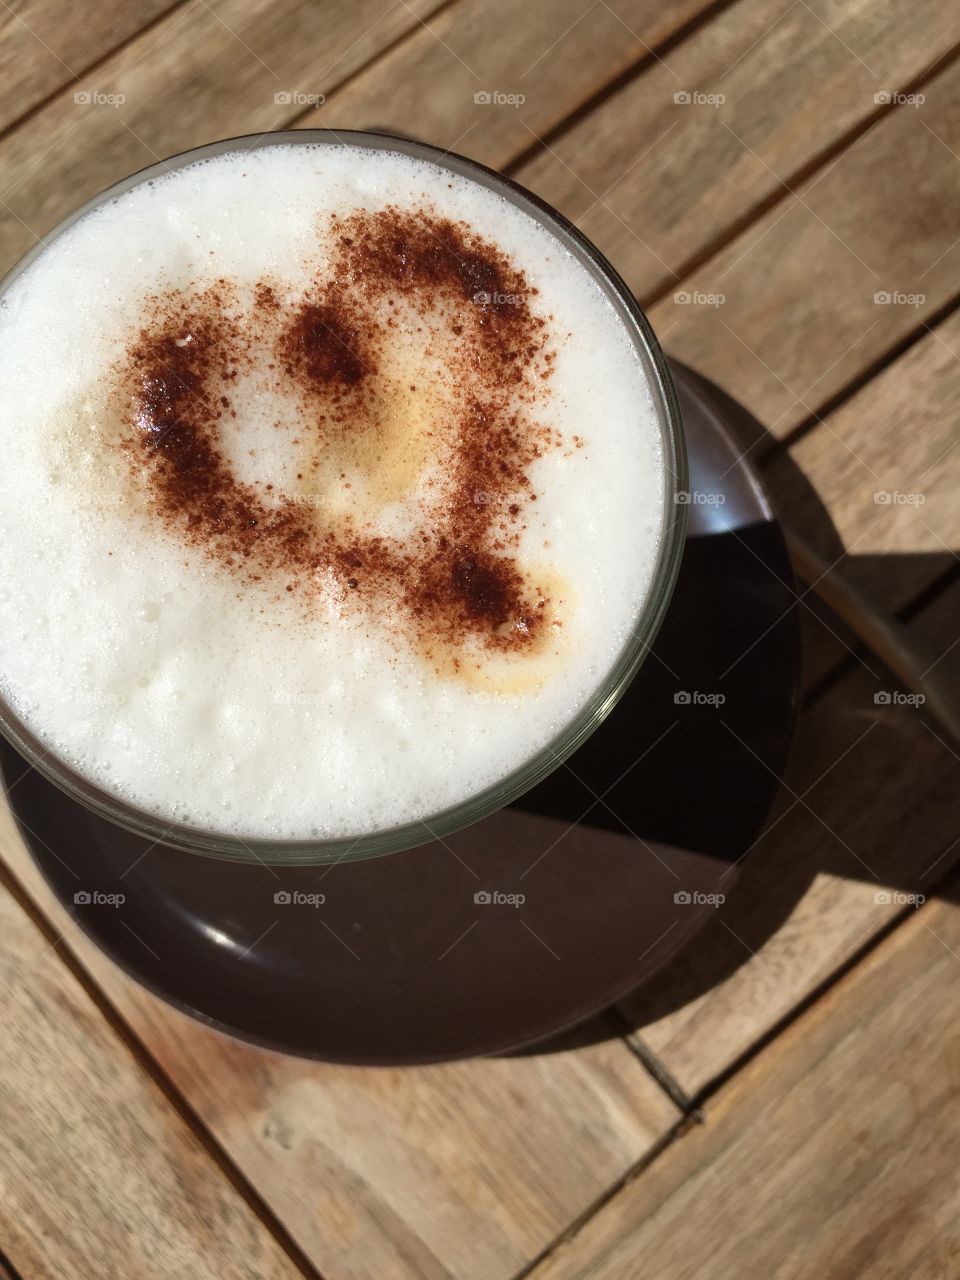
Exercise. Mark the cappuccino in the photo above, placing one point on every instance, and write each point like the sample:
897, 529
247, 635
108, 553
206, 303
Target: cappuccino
333, 490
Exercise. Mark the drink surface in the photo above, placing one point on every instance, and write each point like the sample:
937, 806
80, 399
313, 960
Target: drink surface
333, 488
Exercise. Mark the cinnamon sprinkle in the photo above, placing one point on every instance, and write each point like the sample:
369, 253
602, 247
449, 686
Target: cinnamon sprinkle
457, 577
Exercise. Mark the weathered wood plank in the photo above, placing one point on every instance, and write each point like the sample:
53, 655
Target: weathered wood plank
554, 57
872, 489
800, 318
653, 181
206, 72
98, 1174
832, 1155
44, 44
465, 1170
867, 498
871, 807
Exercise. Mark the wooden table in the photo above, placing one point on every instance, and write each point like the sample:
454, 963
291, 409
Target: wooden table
784, 1103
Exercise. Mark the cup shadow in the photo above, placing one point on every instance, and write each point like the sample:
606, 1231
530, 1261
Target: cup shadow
772, 879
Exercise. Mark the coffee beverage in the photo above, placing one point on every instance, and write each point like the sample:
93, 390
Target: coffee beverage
333, 489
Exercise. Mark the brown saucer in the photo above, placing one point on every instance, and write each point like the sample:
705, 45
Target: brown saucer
431, 954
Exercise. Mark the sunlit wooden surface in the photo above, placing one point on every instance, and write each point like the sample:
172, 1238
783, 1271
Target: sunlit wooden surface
785, 1103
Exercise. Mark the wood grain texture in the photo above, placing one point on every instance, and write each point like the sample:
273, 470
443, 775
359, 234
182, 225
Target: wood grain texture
831, 1157
470, 1170
209, 71
876, 811
465, 1170
800, 321
99, 1177
937, 629
553, 55
870, 493
45, 44
872, 490
654, 181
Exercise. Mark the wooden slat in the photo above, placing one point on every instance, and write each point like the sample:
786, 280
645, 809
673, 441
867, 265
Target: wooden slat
878, 811
832, 1156
825, 641
872, 490
653, 181
208, 71
800, 321
556, 60
44, 44
868, 494
98, 1174
937, 629
558, 55
465, 1170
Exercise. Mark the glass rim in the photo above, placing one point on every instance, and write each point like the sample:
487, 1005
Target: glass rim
322, 851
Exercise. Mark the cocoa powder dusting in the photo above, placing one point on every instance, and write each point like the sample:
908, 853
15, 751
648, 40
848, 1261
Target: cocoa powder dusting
322, 346
457, 577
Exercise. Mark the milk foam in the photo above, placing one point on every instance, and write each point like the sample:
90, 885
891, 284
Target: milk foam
206, 701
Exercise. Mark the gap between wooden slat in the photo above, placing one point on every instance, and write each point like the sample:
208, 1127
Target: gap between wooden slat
801, 175
768, 451
7, 1269
692, 1105
655, 53
163, 17
947, 881
654, 1066
676, 1131
904, 615
857, 383
703, 1095
92, 66
410, 34
144, 1059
